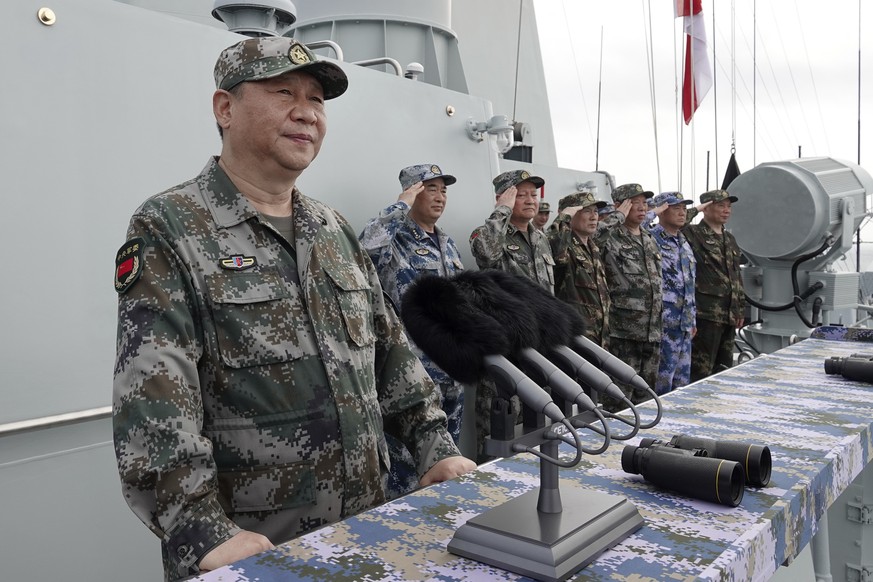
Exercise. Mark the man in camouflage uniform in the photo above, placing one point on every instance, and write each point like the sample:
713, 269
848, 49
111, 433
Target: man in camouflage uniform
677, 276
258, 366
405, 243
542, 218
720, 297
508, 241
580, 278
633, 274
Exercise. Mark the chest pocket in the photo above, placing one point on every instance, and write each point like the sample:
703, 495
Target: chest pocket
353, 295
258, 320
631, 259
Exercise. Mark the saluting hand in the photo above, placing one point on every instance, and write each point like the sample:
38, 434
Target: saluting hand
507, 198
571, 210
625, 207
703, 205
411, 193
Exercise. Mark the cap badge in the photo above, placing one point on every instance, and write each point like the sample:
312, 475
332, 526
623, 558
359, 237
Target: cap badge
525, 175
297, 55
435, 170
237, 263
128, 264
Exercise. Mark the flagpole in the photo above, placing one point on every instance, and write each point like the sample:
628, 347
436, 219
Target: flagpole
599, 93
714, 93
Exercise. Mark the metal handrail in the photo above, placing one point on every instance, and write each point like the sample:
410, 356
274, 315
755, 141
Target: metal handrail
53, 421
382, 61
327, 44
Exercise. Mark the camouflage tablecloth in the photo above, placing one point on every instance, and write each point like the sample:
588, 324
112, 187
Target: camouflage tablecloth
816, 425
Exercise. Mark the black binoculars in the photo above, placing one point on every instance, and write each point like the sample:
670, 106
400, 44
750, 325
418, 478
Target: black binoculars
855, 367
702, 468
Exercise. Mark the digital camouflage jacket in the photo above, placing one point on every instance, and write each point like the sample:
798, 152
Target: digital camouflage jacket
253, 379
498, 244
580, 278
402, 252
633, 273
720, 294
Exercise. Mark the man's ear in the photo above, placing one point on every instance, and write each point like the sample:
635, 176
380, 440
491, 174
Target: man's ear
222, 102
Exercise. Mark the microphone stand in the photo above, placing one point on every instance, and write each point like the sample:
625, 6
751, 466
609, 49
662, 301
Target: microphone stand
539, 534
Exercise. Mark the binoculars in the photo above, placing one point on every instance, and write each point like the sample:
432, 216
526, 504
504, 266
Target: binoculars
702, 468
855, 367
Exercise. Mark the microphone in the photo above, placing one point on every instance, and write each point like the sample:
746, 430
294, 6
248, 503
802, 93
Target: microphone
560, 324
449, 320
526, 332
609, 363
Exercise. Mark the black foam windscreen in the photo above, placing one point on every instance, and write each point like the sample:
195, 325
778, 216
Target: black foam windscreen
454, 332
557, 321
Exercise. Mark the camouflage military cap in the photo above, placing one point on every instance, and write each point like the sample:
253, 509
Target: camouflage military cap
606, 209
514, 178
421, 173
626, 191
583, 199
717, 196
670, 199
256, 59
545, 207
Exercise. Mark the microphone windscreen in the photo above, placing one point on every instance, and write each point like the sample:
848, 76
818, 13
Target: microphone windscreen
452, 331
517, 321
557, 321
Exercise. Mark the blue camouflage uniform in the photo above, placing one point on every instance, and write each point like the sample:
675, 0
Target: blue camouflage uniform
677, 287
402, 251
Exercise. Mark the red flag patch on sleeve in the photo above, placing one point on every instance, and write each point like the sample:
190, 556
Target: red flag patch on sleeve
128, 264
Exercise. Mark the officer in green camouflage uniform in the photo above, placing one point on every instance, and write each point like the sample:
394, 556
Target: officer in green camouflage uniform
258, 365
633, 273
508, 241
542, 218
721, 300
580, 278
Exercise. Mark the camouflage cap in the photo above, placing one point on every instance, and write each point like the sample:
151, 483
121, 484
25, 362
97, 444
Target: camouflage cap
256, 59
606, 209
717, 196
583, 199
626, 191
421, 173
545, 207
670, 199
514, 178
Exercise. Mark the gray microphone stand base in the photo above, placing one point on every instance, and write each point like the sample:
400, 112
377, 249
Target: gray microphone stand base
542, 536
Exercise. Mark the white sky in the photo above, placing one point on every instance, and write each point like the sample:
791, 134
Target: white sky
807, 86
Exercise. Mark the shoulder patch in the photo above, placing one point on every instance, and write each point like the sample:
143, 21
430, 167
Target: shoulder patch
128, 264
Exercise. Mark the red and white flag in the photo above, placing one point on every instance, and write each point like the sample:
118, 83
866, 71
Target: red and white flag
698, 74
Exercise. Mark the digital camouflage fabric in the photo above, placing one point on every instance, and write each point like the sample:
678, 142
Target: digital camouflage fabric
253, 378
498, 244
402, 252
256, 59
580, 278
677, 275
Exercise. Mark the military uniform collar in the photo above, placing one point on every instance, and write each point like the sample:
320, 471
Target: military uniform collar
230, 207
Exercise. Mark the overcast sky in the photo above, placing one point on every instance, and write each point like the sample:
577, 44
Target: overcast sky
807, 86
